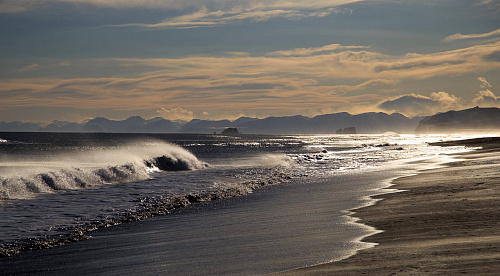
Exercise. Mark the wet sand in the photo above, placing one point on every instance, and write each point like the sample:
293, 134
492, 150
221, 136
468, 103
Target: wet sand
273, 229
447, 222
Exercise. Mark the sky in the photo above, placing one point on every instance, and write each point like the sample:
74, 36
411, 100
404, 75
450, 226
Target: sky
73, 60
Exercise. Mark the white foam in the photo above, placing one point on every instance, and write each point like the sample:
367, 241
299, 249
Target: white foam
76, 170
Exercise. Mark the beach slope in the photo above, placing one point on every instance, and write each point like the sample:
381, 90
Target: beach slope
446, 221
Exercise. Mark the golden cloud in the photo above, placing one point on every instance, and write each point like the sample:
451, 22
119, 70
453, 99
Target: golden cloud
460, 36
297, 80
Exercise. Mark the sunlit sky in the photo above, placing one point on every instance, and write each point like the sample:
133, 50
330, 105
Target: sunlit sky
74, 60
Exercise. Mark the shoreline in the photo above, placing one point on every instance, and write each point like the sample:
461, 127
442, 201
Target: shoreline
277, 228
444, 221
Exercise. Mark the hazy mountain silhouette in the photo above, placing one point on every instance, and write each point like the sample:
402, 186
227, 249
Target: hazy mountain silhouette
276, 125
206, 126
473, 120
62, 126
365, 123
323, 124
134, 124
160, 125
19, 127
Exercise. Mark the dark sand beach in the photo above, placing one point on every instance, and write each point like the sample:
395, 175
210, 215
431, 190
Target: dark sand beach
447, 222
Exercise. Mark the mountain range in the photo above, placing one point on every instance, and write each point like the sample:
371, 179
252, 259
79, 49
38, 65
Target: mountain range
323, 124
369, 123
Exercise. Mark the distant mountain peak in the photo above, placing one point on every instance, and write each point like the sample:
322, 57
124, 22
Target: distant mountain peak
135, 118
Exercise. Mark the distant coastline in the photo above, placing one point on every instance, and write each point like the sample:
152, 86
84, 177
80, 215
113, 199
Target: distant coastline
473, 120
369, 123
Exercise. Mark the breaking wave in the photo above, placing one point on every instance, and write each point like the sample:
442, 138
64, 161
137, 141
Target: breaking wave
82, 170
273, 170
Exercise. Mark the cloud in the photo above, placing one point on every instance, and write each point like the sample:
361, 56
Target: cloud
287, 82
492, 3
460, 36
206, 18
448, 63
177, 113
314, 50
379, 85
494, 56
30, 68
316, 8
206, 13
417, 63
484, 83
419, 105
485, 97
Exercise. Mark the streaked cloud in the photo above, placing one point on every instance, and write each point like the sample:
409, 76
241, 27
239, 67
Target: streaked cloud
450, 63
317, 65
260, 13
382, 86
300, 80
16, 6
315, 50
31, 67
205, 18
458, 36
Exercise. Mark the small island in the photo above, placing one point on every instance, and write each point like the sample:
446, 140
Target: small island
230, 131
347, 130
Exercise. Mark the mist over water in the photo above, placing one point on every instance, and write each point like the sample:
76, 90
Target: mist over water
59, 187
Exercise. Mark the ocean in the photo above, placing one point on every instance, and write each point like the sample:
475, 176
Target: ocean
57, 188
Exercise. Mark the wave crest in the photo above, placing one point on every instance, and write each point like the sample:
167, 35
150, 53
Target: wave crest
174, 163
137, 165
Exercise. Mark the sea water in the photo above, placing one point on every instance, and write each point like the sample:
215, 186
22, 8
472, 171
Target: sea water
59, 187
